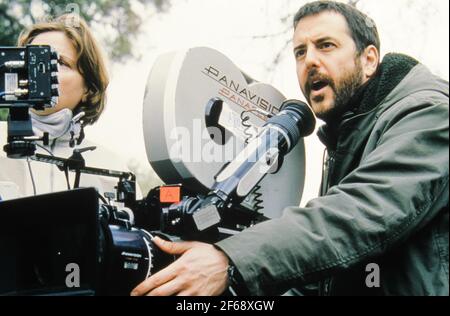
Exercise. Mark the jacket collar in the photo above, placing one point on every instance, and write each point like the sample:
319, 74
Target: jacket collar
391, 72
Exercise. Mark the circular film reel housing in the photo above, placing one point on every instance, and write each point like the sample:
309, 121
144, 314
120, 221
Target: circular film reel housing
181, 148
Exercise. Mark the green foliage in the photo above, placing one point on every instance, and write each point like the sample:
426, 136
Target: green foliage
120, 18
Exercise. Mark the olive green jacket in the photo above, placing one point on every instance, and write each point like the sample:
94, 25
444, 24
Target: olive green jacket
385, 202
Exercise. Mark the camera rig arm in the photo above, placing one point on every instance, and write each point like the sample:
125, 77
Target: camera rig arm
126, 189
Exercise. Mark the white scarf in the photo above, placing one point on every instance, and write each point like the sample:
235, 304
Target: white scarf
59, 125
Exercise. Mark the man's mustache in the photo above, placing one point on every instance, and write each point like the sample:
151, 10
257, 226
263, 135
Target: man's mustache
314, 76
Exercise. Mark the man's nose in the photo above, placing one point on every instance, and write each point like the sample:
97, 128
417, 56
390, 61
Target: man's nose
312, 59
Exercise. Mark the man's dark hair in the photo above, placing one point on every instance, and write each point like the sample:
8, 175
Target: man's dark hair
362, 28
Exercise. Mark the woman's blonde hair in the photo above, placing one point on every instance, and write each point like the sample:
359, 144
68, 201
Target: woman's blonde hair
90, 60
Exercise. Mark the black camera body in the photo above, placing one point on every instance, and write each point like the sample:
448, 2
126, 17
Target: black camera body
28, 76
28, 79
70, 243
67, 243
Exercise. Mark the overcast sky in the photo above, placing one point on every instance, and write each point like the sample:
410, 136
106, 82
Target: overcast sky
236, 28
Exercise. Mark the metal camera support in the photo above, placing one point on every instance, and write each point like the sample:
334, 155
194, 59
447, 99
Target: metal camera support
200, 217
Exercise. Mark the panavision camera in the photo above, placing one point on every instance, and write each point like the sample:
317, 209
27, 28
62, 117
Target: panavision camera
220, 141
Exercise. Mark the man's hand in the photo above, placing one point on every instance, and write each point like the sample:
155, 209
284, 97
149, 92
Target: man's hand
200, 271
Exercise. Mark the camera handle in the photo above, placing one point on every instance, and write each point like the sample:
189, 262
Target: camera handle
76, 162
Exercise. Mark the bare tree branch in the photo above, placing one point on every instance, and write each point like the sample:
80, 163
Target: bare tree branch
264, 36
278, 57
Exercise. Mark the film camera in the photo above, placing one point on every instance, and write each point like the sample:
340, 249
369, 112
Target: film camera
112, 245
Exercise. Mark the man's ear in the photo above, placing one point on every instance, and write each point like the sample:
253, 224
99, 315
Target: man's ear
370, 60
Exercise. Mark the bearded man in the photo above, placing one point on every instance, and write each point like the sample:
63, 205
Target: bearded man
380, 226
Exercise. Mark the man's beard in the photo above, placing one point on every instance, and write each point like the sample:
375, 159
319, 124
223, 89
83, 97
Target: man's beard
343, 90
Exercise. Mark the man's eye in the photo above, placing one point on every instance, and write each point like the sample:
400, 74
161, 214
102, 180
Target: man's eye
300, 53
327, 45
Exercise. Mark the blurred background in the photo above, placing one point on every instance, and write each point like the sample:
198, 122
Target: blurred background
255, 34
